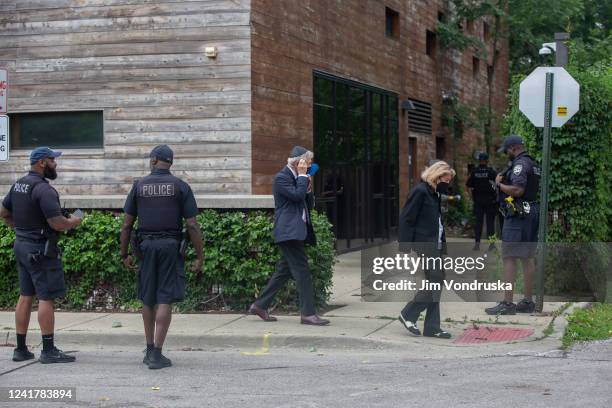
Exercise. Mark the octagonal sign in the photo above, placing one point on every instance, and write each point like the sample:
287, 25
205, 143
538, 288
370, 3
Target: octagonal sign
566, 96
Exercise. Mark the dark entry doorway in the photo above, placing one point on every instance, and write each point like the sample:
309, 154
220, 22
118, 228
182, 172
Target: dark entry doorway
356, 146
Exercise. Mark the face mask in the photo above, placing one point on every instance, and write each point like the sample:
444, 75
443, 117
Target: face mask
442, 187
49, 173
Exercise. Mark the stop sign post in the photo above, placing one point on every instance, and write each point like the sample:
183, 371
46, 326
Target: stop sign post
549, 97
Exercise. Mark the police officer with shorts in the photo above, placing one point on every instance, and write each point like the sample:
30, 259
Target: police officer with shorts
160, 201
519, 186
33, 209
484, 197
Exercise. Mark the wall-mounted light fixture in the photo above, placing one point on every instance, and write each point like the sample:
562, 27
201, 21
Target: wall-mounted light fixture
210, 52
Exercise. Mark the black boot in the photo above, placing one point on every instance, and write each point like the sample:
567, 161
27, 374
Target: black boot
157, 360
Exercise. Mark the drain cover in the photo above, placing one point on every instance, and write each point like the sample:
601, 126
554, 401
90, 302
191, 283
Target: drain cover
486, 334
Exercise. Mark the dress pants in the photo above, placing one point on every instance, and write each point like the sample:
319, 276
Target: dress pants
293, 264
428, 300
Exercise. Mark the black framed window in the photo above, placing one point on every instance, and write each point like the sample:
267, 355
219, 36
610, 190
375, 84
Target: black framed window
82, 129
356, 145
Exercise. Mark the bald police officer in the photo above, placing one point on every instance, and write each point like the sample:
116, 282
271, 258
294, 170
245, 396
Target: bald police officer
519, 187
160, 201
33, 209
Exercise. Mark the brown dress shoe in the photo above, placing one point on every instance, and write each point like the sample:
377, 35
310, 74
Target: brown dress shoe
263, 313
314, 320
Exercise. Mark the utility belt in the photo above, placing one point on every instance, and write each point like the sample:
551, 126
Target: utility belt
49, 238
516, 207
137, 237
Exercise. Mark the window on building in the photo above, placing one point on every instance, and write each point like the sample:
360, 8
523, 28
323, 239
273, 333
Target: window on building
392, 23
440, 148
71, 130
475, 66
486, 31
431, 43
441, 17
490, 71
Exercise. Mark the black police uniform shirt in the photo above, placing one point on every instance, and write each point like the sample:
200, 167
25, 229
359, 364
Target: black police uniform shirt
480, 181
32, 200
161, 201
526, 174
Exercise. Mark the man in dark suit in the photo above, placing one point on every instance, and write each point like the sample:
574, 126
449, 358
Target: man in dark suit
292, 229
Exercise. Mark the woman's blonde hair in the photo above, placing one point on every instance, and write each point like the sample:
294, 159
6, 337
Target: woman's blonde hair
432, 174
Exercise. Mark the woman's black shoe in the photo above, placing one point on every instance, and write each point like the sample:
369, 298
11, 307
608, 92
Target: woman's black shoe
411, 327
440, 335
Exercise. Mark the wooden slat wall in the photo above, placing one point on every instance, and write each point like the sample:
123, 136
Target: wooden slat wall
142, 63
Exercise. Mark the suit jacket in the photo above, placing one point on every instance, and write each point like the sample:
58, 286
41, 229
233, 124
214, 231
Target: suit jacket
290, 202
419, 217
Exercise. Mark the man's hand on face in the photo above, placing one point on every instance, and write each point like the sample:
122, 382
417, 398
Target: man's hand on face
302, 167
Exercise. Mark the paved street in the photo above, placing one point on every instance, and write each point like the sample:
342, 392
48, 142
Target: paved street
303, 378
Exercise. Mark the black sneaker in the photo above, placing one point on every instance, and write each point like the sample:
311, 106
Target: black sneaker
476, 247
157, 360
492, 247
55, 356
525, 306
147, 357
411, 327
22, 355
502, 308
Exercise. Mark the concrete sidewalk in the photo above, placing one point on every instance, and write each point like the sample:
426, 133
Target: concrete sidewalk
355, 325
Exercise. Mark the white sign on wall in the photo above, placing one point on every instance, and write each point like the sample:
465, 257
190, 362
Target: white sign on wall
4, 138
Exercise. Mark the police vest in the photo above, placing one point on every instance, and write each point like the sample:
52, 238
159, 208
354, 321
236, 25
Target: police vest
533, 180
158, 200
483, 189
27, 214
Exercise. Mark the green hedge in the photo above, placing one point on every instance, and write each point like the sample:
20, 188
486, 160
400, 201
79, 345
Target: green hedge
239, 256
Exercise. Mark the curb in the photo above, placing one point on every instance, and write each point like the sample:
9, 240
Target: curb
221, 342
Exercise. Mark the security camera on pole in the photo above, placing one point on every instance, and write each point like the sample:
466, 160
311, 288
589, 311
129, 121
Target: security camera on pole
549, 97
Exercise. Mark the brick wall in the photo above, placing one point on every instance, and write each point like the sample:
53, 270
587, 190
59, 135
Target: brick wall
347, 38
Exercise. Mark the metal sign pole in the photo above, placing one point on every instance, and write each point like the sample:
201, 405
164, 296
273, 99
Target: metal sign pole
543, 224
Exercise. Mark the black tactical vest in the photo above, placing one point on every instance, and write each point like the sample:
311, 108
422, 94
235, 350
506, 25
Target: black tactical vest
158, 200
27, 214
484, 192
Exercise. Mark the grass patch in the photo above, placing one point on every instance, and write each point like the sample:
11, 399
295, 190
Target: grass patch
594, 323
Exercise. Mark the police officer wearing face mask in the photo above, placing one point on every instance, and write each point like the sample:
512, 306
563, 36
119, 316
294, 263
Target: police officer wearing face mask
484, 197
519, 187
160, 201
33, 209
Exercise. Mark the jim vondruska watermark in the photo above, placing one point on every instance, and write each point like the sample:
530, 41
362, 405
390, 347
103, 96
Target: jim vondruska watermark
450, 284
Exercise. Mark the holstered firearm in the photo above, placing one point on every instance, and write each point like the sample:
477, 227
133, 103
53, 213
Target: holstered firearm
514, 207
185, 241
135, 244
52, 250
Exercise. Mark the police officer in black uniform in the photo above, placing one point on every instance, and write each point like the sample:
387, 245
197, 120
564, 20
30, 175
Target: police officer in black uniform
160, 201
33, 209
484, 197
519, 186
